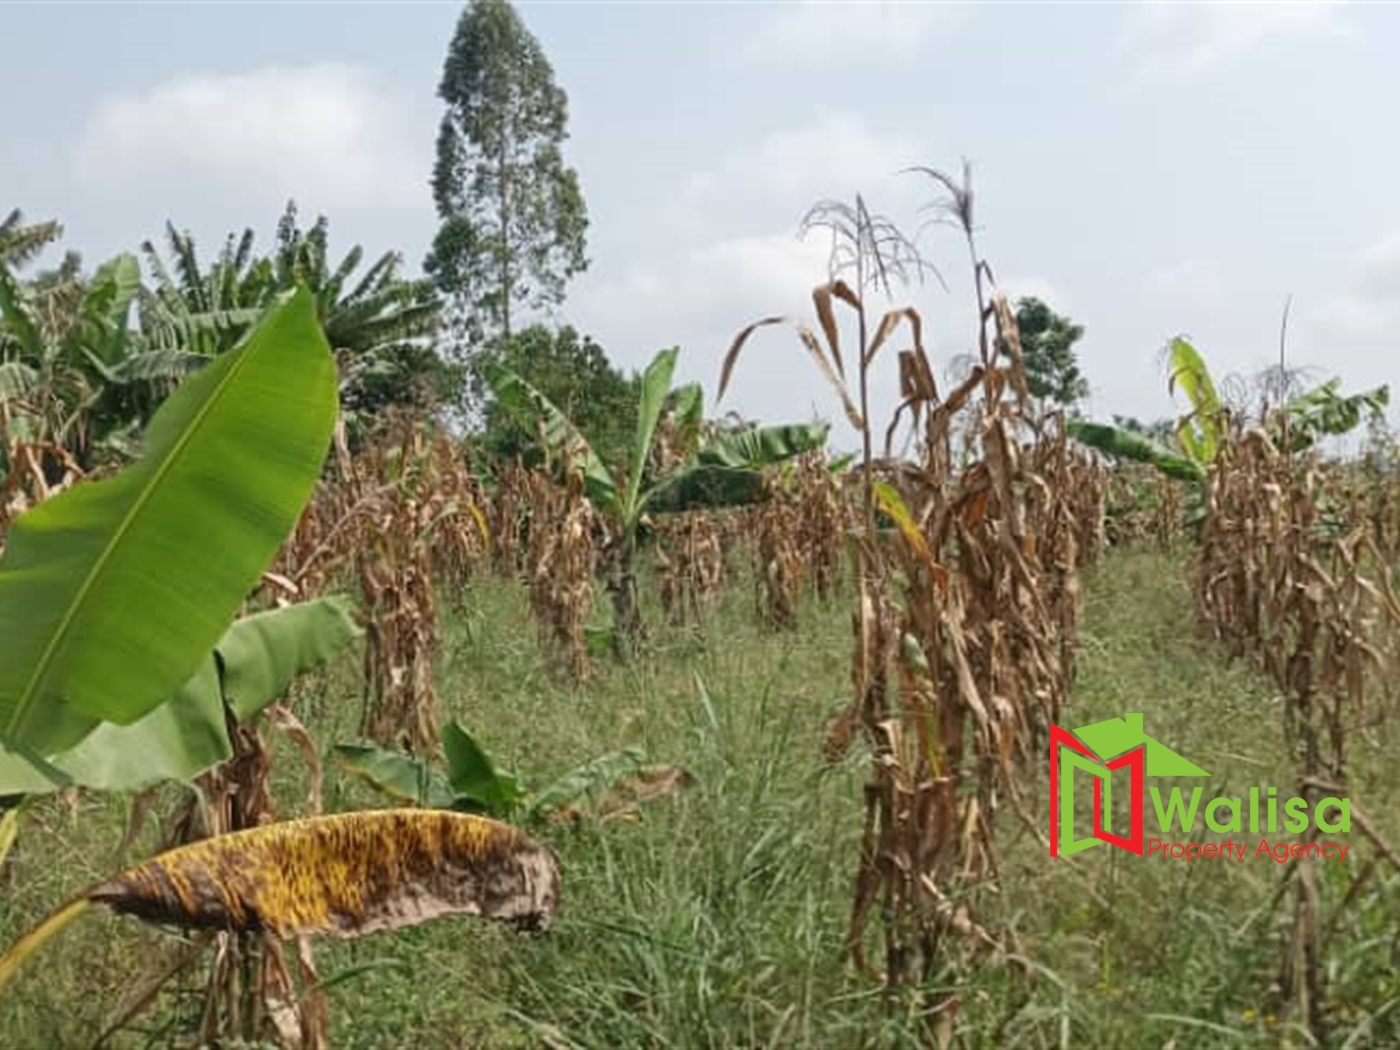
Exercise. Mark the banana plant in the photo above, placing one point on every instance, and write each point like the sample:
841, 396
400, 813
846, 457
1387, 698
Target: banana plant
251, 667
721, 470
1304, 419
110, 601
472, 783
80, 377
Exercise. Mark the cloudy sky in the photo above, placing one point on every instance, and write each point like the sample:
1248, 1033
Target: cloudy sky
1148, 168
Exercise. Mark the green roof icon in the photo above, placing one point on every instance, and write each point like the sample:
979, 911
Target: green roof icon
1114, 736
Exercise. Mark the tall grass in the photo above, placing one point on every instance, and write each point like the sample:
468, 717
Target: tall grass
718, 919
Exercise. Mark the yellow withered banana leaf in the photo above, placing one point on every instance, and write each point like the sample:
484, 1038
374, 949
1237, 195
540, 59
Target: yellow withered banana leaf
343, 875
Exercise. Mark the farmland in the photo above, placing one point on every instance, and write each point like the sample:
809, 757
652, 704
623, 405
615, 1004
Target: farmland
384, 664
719, 919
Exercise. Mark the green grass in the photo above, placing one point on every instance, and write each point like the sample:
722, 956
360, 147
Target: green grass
718, 919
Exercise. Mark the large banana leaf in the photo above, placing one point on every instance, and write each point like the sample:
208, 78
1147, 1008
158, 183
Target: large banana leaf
17, 319
106, 308
1323, 411
262, 654
253, 665
656, 384
112, 592
1127, 445
755, 446
474, 778
402, 778
530, 408
1198, 432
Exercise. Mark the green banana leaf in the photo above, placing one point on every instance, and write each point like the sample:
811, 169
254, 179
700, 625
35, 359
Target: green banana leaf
149, 365
755, 446
1127, 445
395, 774
106, 308
472, 782
16, 317
1324, 411
688, 406
17, 380
254, 664
528, 407
595, 776
261, 655
656, 384
113, 591
473, 777
1199, 432
414, 781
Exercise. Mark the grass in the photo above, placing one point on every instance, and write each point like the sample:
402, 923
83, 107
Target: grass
718, 919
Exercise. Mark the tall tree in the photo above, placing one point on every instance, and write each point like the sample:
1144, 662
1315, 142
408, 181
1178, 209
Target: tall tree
1047, 346
513, 218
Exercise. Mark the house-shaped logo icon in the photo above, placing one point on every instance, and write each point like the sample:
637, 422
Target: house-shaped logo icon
1098, 749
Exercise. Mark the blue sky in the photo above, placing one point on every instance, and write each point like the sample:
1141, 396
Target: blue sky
1148, 168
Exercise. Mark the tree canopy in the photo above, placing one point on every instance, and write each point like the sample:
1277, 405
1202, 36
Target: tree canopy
513, 217
1047, 346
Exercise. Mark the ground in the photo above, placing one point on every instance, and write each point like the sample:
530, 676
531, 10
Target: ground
718, 919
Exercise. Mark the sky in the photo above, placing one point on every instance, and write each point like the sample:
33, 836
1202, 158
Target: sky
1149, 169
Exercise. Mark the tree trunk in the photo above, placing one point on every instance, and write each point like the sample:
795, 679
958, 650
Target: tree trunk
505, 241
627, 613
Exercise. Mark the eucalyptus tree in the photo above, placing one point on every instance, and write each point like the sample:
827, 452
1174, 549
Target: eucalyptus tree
513, 217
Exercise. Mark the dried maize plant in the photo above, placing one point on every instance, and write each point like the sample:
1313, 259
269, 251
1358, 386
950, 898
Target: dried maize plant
1313, 604
248, 993
1373, 496
394, 561
689, 564
460, 542
1168, 522
560, 562
1130, 512
825, 517
778, 562
953, 606
36, 472
319, 555
509, 519
1065, 514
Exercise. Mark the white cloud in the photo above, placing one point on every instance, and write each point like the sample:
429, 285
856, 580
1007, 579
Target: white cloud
1350, 330
1365, 307
324, 132
1187, 283
786, 171
724, 251
702, 298
820, 32
1380, 265
1354, 316
1182, 39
